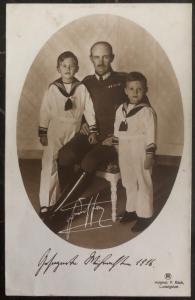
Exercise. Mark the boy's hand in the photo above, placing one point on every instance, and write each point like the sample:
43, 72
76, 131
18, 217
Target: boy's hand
44, 140
108, 141
149, 161
92, 138
116, 148
84, 129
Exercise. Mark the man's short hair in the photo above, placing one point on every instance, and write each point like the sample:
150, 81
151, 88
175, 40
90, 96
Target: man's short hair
137, 76
67, 54
102, 43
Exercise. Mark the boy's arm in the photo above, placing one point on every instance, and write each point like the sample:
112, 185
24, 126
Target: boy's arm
150, 120
89, 113
44, 119
116, 127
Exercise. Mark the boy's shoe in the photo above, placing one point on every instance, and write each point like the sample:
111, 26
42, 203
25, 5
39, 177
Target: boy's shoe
128, 216
44, 211
141, 224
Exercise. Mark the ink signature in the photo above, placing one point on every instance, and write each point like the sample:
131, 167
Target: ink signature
46, 263
88, 210
49, 262
108, 260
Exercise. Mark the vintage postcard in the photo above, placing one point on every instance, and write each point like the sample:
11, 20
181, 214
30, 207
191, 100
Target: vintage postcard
98, 149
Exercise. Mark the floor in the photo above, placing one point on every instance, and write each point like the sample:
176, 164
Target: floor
92, 227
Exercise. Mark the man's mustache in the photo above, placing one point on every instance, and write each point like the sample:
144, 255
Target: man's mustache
100, 65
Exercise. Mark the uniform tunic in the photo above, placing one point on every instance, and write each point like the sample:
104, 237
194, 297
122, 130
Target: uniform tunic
138, 139
60, 125
106, 95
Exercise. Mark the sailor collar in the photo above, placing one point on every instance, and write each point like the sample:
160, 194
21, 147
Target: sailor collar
134, 109
124, 125
60, 85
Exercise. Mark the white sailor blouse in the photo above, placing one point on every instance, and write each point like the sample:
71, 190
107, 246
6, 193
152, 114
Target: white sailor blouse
65, 110
134, 121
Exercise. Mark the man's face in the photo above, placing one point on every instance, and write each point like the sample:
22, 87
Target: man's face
135, 91
101, 59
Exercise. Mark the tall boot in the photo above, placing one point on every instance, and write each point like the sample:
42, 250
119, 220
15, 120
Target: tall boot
65, 175
60, 212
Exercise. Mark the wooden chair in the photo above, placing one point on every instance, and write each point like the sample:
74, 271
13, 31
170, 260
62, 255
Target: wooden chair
111, 173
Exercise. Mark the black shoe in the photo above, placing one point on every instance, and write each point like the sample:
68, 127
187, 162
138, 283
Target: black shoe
128, 216
55, 222
141, 224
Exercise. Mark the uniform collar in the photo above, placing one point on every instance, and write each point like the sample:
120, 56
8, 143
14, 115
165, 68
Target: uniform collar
105, 76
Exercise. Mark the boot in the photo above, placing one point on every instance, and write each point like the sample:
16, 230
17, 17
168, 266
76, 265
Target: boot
62, 209
127, 216
65, 175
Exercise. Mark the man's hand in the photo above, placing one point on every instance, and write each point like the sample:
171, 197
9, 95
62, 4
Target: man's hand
108, 141
92, 138
84, 129
44, 140
149, 161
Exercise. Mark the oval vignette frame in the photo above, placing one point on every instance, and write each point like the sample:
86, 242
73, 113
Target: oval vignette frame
135, 50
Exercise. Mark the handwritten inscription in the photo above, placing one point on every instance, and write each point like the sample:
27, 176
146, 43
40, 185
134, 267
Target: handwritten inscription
108, 260
49, 262
88, 211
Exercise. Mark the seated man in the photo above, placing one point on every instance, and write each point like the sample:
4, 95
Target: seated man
106, 88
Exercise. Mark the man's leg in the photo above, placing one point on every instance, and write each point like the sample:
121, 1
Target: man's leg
61, 211
99, 155
69, 155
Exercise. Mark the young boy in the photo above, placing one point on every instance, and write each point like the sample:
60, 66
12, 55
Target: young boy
135, 130
63, 106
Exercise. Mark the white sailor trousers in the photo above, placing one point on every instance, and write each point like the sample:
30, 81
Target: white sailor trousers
136, 180
60, 132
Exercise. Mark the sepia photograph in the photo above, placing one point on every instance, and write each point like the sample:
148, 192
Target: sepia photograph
100, 134
89, 179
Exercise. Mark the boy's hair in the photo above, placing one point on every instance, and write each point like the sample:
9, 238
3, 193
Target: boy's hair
137, 76
67, 54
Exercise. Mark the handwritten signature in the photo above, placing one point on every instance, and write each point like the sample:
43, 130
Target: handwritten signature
97, 261
50, 262
46, 262
80, 208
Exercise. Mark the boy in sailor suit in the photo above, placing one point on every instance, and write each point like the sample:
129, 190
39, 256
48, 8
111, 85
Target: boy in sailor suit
63, 106
135, 131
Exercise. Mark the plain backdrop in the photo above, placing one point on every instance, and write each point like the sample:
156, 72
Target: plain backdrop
135, 50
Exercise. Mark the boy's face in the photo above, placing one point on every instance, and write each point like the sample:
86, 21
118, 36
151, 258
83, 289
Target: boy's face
68, 69
135, 91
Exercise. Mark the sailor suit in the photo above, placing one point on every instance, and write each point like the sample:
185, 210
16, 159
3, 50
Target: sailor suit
135, 128
60, 118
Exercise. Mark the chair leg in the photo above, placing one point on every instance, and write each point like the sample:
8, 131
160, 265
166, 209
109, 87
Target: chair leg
113, 186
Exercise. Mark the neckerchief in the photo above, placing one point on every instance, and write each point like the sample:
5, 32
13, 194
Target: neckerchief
60, 86
124, 126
